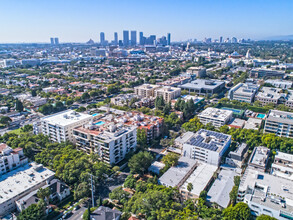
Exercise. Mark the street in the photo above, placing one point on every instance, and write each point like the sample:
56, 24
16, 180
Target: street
77, 214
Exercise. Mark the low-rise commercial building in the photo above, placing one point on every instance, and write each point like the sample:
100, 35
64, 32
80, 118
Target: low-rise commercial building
20, 182
205, 145
59, 126
243, 92
203, 86
283, 84
197, 71
217, 117
279, 123
266, 73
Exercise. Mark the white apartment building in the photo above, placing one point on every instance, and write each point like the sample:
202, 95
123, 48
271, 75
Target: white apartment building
59, 126
279, 123
11, 159
283, 165
109, 140
217, 117
204, 145
266, 194
19, 183
168, 93
243, 92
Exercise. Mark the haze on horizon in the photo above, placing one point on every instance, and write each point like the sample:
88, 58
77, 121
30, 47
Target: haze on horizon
78, 21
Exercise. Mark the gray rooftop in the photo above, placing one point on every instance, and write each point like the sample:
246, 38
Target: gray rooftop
280, 116
202, 83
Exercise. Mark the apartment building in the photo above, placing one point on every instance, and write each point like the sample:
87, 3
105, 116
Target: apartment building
11, 159
259, 158
110, 140
168, 93
59, 126
138, 101
266, 194
204, 145
243, 92
146, 90
175, 81
236, 158
279, 123
19, 183
283, 165
217, 117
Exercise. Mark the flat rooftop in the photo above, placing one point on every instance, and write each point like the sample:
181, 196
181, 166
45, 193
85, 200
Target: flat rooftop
200, 178
210, 140
270, 92
174, 175
66, 118
259, 156
22, 179
284, 156
221, 188
215, 113
280, 116
202, 84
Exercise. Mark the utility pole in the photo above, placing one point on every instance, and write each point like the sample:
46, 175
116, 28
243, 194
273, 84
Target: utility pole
93, 201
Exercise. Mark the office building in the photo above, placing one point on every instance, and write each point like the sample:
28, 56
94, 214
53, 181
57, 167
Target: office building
199, 72
263, 73
236, 158
283, 84
102, 38
276, 96
11, 159
259, 158
266, 194
168, 39
205, 145
52, 41
125, 38
217, 117
202, 86
110, 140
133, 38
19, 183
59, 126
141, 38
243, 92
279, 123
56, 40
283, 165
115, 38
221, 39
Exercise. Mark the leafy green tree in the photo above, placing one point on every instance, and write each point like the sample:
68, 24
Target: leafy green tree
130, 182
140, 162
81, 191
189, 187
240, 211
141, 138
265, 217
203, 195
87, 214
171, 159
85, 96
33, 212
5, 120
120, 195
34, 93
192, 125
159, 103
44, 194
27, 128
18, 105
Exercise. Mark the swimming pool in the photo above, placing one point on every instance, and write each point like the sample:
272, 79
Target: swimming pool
261, 116
100, 123
96, 114
232, 109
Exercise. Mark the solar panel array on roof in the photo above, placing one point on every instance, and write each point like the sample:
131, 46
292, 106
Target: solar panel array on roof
219, 140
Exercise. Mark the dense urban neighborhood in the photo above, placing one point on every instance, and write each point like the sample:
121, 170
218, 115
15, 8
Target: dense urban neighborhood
146, 128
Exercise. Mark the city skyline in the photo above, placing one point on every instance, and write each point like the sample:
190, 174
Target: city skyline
76, 22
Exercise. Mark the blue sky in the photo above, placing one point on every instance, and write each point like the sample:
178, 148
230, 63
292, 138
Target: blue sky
80, 20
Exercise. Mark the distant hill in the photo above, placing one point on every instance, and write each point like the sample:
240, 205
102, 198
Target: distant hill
284, 37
